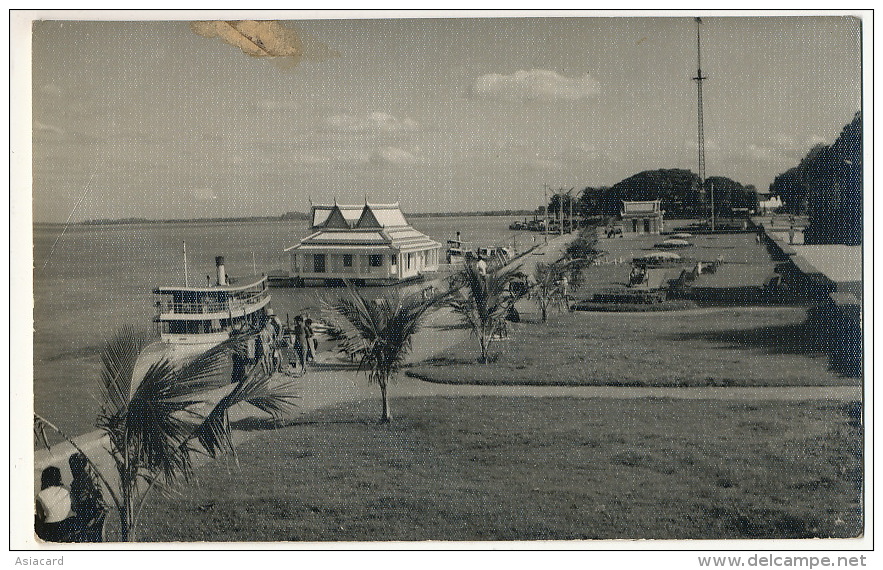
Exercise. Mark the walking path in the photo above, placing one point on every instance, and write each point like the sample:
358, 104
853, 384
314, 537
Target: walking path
333, 381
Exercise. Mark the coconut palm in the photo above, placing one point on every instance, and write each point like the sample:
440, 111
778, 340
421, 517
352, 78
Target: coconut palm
483, 303
154, 420
546, 289
385, 326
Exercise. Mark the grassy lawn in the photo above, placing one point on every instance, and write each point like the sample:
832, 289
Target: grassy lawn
490, 468
730, 347
746, 263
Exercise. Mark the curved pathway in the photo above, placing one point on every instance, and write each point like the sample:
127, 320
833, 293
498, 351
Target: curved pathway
333, 381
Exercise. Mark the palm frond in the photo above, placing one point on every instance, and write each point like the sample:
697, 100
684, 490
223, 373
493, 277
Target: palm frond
483, 301
118, 358
385, 326
40, 432
159, 420
214, 433
205, 372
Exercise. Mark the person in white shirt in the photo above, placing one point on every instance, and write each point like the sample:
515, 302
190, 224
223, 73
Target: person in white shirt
54, 514
481, 266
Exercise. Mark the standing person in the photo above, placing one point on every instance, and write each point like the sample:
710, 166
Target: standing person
290, 355
300, 343
86, 501
53, 520
239, 356
481, 266
258, 347
310, 337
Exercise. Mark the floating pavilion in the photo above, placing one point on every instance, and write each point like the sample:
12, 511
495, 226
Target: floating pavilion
367, 244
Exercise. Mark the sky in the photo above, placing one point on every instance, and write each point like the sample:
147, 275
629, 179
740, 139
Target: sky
155, 120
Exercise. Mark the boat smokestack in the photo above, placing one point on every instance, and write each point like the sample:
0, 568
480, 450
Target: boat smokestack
222, 275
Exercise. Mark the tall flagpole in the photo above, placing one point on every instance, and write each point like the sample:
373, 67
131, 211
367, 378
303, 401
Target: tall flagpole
701, 142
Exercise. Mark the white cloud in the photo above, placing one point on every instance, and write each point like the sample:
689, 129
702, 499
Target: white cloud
784, 141
50, 129
710, 144
781, 147
582, 153
51, 89
277, 105
372, 123
392, 155
203, 194
535, 85
542, 164
761, 152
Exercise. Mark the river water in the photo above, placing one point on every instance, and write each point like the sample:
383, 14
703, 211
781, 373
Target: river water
91, 280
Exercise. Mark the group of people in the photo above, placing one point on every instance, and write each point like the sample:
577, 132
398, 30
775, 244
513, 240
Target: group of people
300, 344
278, 348
70, 515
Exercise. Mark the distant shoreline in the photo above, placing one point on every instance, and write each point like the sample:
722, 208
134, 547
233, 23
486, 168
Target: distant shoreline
283, 217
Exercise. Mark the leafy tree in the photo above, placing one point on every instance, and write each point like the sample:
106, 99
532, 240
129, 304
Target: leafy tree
589, 202
790, 188
152, 420
386, 326
562, 205
828, 184
580, 253
833, 178
677, 188
729, 194
483, 302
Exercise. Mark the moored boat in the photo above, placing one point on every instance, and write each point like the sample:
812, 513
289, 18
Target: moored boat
191, 320
456, 254
207, 315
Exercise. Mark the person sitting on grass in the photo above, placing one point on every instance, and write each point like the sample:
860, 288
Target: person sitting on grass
86, 501
54, 519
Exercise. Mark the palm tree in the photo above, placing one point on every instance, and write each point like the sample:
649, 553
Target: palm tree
153, 419
483, 302
547, 289
385, 326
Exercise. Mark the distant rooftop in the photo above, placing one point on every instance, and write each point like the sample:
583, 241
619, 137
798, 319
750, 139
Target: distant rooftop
349, 216
641, 207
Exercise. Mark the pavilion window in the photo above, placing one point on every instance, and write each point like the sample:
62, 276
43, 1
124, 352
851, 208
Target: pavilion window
319, 263
347, 260
375, 260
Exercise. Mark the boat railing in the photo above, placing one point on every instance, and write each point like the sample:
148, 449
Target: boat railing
208, 307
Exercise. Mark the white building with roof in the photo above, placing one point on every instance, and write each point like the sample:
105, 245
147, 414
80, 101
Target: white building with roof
642, 217
368, 244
